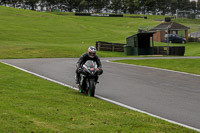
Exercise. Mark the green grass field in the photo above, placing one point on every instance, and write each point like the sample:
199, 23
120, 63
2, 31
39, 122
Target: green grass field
192, 23
29, 34
30, 104
182, 65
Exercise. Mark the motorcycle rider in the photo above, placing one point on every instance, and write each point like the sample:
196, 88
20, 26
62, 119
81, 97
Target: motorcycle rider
90, 55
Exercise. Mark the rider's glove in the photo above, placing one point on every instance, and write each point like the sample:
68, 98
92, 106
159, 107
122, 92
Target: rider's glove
100, 71
79, 70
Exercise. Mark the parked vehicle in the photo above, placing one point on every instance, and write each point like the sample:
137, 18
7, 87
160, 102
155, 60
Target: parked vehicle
173, 38
88, 78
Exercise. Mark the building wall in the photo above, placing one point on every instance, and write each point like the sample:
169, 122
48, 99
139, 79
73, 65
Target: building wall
159, 36
186, 35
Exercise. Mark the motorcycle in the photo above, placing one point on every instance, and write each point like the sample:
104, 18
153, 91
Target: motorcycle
88, 78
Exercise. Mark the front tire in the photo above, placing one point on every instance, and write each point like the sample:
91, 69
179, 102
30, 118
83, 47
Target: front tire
91, 90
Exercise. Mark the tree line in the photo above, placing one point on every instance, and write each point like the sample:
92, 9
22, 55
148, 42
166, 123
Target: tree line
114, 6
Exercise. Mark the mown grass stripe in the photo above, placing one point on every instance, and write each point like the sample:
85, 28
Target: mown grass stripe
105, 99
155, 68
38, 75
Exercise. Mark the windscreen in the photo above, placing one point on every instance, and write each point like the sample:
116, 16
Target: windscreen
90, 63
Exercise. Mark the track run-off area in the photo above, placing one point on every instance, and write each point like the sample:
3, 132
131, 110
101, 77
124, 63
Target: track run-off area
165, 94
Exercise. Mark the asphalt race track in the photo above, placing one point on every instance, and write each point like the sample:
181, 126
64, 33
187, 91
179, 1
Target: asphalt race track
171, 95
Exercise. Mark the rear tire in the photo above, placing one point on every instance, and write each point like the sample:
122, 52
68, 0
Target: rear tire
91, 90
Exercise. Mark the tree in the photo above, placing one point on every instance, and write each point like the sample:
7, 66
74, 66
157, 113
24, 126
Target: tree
98, 5
42, 4
164, 5
31, 3
193, 6
132, 6
3, 2
116, 5
150, 5
13, 2
125, 5
141, 6
186, 4
198, 5
77, 5
68, 4
106, 4
88, 4
183, 4
173, 6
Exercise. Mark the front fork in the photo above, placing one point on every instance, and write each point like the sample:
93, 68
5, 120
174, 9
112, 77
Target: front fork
81, 79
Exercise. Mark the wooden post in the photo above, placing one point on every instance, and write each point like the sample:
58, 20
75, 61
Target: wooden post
99, 46
113, 47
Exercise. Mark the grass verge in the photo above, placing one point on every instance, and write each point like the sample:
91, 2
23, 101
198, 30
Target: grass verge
31, 104
183, 65
29, 34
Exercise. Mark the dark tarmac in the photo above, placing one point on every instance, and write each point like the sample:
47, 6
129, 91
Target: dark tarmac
171, 95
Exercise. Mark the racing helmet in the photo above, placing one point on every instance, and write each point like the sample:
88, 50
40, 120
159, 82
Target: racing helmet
91, 52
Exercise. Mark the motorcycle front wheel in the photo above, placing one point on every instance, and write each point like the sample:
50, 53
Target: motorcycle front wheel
91, 89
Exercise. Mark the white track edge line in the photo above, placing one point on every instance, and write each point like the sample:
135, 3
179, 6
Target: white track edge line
155, 68
102, 98
40, 76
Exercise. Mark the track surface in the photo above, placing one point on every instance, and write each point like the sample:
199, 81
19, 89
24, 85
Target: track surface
170, 95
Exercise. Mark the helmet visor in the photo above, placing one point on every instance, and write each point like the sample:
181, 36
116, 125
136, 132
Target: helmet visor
92, 54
